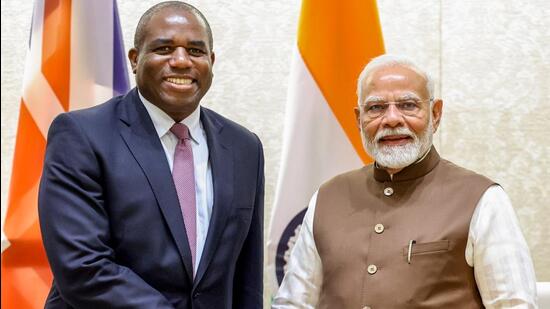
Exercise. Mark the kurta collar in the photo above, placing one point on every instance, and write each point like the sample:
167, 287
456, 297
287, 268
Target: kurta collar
413, 171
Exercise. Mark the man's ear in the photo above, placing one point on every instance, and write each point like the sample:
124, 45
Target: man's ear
437, 111
357, 117
133, 57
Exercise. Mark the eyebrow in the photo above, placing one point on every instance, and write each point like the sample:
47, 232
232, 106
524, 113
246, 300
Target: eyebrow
158, 42
198, 43
376, 99
373, 99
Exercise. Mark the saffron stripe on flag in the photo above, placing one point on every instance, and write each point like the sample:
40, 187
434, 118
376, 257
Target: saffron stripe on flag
321, 139
336, 39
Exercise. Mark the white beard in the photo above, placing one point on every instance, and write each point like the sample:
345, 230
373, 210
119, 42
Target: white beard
397, 157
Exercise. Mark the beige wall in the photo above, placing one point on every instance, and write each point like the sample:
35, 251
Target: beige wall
491, 59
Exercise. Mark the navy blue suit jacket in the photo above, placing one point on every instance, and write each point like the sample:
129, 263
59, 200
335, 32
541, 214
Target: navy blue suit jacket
111, 222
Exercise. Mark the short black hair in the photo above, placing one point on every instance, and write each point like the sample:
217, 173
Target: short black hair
146, 17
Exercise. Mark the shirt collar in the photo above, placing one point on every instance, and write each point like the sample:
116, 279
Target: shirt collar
162, 122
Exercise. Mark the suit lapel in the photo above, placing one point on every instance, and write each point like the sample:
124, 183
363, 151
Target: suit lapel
221, 161
141, 138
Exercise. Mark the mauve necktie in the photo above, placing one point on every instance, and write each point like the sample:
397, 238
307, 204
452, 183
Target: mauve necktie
184, 178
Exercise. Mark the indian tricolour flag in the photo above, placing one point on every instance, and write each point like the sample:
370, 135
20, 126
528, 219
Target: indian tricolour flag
321, 139
75, 59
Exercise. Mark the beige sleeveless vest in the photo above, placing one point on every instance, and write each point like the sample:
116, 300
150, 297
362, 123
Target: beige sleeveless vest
365, 222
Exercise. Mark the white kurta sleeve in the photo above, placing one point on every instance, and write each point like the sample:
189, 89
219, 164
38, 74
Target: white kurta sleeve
498, 252
302, 281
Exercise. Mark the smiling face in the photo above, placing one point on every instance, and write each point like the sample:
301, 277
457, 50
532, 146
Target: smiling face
173, 65
396, 140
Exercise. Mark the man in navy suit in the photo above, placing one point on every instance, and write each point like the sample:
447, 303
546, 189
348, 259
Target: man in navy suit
111, 213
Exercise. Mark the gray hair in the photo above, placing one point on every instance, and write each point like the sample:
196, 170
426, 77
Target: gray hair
388, 60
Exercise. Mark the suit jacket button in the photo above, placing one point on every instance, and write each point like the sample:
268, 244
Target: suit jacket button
196, 295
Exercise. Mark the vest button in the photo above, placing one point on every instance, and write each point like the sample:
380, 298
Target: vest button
379, 228
371, 269
366, 307
388, 191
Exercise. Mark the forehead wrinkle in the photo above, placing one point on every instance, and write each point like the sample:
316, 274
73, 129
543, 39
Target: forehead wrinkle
161, 41
408, 96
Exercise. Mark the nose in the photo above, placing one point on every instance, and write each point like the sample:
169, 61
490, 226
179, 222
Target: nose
180, 58
392, 117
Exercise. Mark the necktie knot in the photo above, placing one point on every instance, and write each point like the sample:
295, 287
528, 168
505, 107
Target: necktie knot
180, 131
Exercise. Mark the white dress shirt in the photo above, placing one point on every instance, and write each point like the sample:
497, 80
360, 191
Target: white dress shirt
203, 171
495, 248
